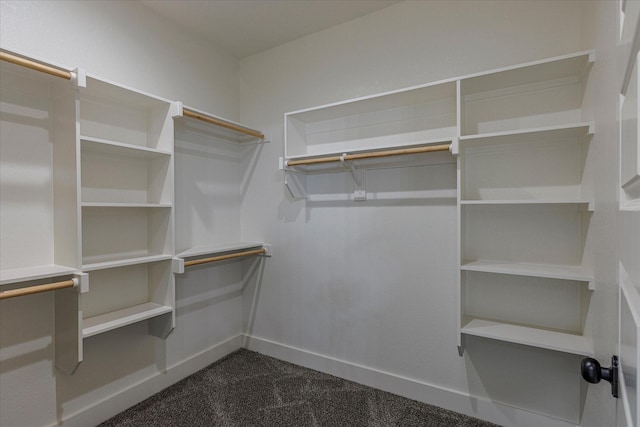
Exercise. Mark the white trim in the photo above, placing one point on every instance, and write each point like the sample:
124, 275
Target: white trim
403, 386
123, 399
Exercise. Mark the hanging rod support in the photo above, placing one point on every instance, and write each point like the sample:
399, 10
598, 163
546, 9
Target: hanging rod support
71, 283
217, 122
370, 155
261, 251
5, 56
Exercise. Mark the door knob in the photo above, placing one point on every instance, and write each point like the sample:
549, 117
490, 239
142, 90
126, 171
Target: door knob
592, 372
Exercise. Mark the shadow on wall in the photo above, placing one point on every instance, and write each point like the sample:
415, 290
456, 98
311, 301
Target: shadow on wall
26, 337
431, 184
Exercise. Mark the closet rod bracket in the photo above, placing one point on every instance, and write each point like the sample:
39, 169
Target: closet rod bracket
454, 148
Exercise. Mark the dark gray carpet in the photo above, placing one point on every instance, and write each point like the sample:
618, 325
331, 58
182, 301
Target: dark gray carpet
249, 389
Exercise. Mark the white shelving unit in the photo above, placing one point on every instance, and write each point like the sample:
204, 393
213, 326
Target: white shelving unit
38, 195
87, 191
126, 147
525, 206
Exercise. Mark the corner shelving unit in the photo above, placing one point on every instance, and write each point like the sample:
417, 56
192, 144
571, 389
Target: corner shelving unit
87, 192
126, 146
524, 199
525, 205
210, 152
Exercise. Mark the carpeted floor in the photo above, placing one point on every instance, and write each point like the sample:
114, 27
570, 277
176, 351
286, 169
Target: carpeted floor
249, 389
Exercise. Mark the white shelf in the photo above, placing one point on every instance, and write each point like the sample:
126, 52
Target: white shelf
585, 204
117, 319
114, 148
125, 96
206, 128
33, 273
541, 338
557, 68
218, 249
124, 205
112, 262
550, 271
400, 118
534, 95
581, 129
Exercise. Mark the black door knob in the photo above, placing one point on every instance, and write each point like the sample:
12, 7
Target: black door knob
592, 372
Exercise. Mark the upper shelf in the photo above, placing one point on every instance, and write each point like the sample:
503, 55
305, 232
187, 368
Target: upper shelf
208, 124
394, 119
579, 130
572, 66
17, 275
114, 148
537, 94
493, 102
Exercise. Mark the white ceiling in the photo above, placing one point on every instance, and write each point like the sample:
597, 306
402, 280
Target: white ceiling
245, 27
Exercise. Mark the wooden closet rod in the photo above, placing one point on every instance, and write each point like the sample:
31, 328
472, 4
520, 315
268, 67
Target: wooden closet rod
371, 155
38, 289
188, 113
35, 65
225, 257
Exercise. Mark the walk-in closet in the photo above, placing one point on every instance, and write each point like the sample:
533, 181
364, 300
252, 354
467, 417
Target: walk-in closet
312, 212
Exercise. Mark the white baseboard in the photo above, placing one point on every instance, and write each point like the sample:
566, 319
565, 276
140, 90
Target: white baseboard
449, 399
136, 393
434, 395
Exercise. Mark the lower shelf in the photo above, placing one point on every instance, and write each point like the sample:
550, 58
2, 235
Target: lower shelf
542, 338
218, 249
101, 263
551, 271
127, 316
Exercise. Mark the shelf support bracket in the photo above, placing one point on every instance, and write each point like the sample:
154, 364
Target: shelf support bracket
359, 178
68, 325
296, 183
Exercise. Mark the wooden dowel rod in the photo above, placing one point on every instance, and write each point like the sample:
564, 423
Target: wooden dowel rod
35, 65
37, 289
188, 113
371, 155
225, 257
